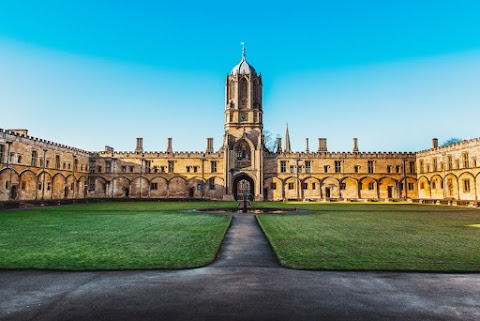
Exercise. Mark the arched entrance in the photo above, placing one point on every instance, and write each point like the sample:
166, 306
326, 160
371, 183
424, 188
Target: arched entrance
243, 186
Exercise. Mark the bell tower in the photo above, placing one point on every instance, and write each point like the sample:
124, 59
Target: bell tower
243, 99
243, 142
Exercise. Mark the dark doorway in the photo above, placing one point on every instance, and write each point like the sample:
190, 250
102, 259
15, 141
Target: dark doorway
13, 193
265, 194
191, 192
243, 187
390, 191
127, 191
327, 192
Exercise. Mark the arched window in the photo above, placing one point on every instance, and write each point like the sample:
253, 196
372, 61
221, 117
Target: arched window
231, 90
243, 154
256, 96
243, 92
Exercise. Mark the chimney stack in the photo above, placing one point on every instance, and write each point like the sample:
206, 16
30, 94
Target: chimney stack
209, 145
139, 148
307, 150
322, 145
169, 148
279, 145
435, 143
355, 145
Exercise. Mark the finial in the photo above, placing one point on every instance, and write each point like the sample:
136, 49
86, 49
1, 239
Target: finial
243, 49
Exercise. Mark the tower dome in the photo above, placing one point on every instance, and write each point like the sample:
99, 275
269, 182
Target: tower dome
243, 68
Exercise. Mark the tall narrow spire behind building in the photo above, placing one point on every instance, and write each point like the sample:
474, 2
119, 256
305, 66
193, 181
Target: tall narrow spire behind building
287, 142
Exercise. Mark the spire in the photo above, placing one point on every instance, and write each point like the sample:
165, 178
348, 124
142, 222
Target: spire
287, 142
243, 50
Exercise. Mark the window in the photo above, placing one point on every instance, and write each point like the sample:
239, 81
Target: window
421, 166
195, 169
422, 185
291, 185
39, 186
283, 166
124, 169
170, 166
411, 186
412, 167
338, 166
435, 165
34, 158
370, 186
457, 164
466, 185
2, 151
131, 167
188, 169
343, 186
292, 169
155, 169
213, 166
325, 168
41, 162
370, 167
148, 165
153, 186
162, 169
19, 159
24, 185
465, 160
47, 163
304, 186
108, 167
212, 184
308, 167
57, 162
273, 186
356, 168
92, 167
449, 162
75, 164
397, 168
99, 169
434, 185
64, 165
389, 169
91, 184
300, 169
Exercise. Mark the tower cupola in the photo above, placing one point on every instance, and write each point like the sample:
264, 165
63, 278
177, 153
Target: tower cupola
243, 68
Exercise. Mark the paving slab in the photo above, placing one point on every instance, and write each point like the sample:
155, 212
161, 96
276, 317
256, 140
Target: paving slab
245, 283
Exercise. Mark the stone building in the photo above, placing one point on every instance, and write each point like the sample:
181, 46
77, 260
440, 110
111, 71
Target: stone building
35, 169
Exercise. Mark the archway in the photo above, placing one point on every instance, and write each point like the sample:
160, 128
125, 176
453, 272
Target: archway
243, 185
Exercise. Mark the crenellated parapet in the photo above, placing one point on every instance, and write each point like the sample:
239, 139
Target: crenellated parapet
20, 136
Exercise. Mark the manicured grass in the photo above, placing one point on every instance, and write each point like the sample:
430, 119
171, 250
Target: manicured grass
117, 235
375, 237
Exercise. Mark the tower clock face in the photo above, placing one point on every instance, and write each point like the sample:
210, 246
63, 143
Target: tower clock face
243, 117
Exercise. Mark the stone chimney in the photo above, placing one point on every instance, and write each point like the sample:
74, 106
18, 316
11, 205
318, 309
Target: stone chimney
169, 147
355, 145
307, 150
435, 143
209, 146
322, 145
139, 148
279, 145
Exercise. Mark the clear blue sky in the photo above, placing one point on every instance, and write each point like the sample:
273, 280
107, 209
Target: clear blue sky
94, 73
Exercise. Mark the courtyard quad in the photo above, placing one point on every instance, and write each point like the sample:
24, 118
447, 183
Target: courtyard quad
163, 235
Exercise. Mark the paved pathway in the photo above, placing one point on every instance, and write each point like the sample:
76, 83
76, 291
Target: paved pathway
245, 283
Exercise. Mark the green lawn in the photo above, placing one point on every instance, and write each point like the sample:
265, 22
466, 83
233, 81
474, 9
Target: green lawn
117, 235
347, 236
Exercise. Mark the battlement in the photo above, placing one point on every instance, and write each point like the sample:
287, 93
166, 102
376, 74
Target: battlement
158, 154
19, 135
464, 144
336, 155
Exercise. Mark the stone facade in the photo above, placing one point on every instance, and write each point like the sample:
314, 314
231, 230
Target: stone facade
35, 169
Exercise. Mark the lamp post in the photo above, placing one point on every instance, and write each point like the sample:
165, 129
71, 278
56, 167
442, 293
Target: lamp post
43, 182
10, 170
73, 173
